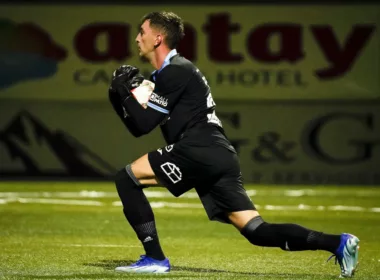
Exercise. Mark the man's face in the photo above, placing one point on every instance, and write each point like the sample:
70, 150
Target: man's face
146, 39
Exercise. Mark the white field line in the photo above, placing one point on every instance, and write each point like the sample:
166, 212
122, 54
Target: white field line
165, 204
62, 198
166, 194
51, 201
87, 194
97, 245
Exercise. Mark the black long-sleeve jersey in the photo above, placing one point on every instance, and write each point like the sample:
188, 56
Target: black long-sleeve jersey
181, 100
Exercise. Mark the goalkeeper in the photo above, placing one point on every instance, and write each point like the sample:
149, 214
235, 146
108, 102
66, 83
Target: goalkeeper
198, 154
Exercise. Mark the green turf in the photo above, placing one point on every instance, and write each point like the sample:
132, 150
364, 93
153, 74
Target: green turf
52, 241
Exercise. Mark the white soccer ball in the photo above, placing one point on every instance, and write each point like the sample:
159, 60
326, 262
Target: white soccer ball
143, 92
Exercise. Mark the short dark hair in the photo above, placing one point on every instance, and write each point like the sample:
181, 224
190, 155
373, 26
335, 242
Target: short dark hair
169, 23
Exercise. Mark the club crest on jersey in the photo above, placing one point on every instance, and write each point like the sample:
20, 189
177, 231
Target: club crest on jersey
172, 171
158, 99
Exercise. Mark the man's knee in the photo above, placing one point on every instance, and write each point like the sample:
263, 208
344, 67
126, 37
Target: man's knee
125, 178
250, 231
261, 233
141, 168
240, 218
250, 228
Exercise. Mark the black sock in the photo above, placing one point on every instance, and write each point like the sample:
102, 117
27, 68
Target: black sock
290, 237
147, 234
328, 242
138, 212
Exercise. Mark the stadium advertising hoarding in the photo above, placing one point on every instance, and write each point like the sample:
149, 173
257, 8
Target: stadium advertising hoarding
246, 52
278, 143
307, 142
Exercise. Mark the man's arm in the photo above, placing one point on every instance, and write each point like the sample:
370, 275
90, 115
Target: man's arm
169, 86
137, 120
144, 120
118, 108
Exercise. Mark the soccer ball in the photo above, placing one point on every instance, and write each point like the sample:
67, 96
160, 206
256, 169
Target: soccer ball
143, 92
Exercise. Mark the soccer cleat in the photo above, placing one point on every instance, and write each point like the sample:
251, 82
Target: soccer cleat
146, 265
347, 254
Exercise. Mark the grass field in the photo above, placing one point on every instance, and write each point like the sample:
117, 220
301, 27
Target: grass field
77, 231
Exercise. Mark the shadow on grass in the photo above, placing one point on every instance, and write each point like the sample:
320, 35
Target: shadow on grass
109, 266
112, 264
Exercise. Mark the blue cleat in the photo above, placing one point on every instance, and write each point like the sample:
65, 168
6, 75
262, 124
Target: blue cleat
347, 254
146, 265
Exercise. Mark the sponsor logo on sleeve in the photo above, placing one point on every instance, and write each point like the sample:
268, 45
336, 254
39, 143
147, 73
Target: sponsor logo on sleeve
158, 99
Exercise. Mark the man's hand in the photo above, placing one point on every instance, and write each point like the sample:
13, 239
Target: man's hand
135, 81
127, 71
124, 79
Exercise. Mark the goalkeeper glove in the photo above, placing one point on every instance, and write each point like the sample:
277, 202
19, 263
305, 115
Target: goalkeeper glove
124, 79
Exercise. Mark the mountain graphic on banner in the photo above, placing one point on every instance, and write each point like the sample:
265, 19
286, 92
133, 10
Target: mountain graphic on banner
46, 153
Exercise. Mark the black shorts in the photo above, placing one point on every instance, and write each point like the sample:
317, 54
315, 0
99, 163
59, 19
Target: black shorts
207, 163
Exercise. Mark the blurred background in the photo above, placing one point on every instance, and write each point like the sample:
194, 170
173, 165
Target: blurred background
296, 85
